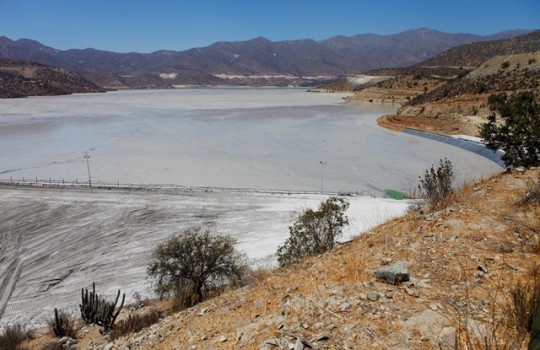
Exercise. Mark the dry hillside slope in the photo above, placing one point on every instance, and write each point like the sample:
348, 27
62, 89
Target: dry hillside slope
464, 261
22, 79
460, 106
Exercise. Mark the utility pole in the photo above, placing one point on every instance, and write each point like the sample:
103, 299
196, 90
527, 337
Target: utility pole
323, 163
87, 156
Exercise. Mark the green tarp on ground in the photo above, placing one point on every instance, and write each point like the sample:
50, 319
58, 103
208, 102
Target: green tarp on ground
395, 194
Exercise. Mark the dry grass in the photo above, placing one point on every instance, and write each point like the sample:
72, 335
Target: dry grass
13, 338
135, 323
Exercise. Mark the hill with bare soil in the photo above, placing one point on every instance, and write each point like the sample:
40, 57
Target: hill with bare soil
460, 106
22, 79
474, 54
466, 261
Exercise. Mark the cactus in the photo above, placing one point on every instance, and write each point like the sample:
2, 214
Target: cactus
59, 328
99, 311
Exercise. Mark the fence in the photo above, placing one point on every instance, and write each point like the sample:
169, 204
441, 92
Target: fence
63, 183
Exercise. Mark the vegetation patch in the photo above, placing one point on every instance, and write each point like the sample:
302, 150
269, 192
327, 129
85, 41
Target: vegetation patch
13, 337
314, 231
135, 323
192, 264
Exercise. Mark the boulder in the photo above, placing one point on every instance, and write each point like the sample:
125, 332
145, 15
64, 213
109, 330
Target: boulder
393, 274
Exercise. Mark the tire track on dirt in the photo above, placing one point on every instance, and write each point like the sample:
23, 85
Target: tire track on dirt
11, 277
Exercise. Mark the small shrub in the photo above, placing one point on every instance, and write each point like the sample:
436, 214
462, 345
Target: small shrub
13, 337
192, 264
135, 324
532, 194
524, 301
436, 185
505, 64
63, 325
314, 231
532, 60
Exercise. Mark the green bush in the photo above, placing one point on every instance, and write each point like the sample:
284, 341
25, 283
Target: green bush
519, 136
436, 185
314, 231
192, 264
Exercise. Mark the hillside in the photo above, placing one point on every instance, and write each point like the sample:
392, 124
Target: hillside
448, 93
465, 261
460, 106
22, 79
474, 54
255, 62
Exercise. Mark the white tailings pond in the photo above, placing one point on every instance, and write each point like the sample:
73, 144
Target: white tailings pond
55, 241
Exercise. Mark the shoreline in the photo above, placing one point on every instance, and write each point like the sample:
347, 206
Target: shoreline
478, 148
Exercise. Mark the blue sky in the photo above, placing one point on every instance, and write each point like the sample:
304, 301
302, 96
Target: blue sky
146, 26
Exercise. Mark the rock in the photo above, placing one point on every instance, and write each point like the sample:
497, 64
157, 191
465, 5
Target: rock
222, 339
108, 346
271, 341
139, 340
409, 291
386, 261
482, 268
373, 296
520, 169
345, 306
447, 339
393, 274
322, 337
63, 340
298, 345
257, 304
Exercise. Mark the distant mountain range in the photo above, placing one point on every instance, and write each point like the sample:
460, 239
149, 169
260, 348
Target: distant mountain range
253, 62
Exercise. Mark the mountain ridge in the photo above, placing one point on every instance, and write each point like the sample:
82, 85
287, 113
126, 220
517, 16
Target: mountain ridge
335, 56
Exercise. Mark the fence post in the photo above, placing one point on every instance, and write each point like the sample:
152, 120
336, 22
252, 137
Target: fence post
62, 181
23, 179
11, 179
36, 179
75, 181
